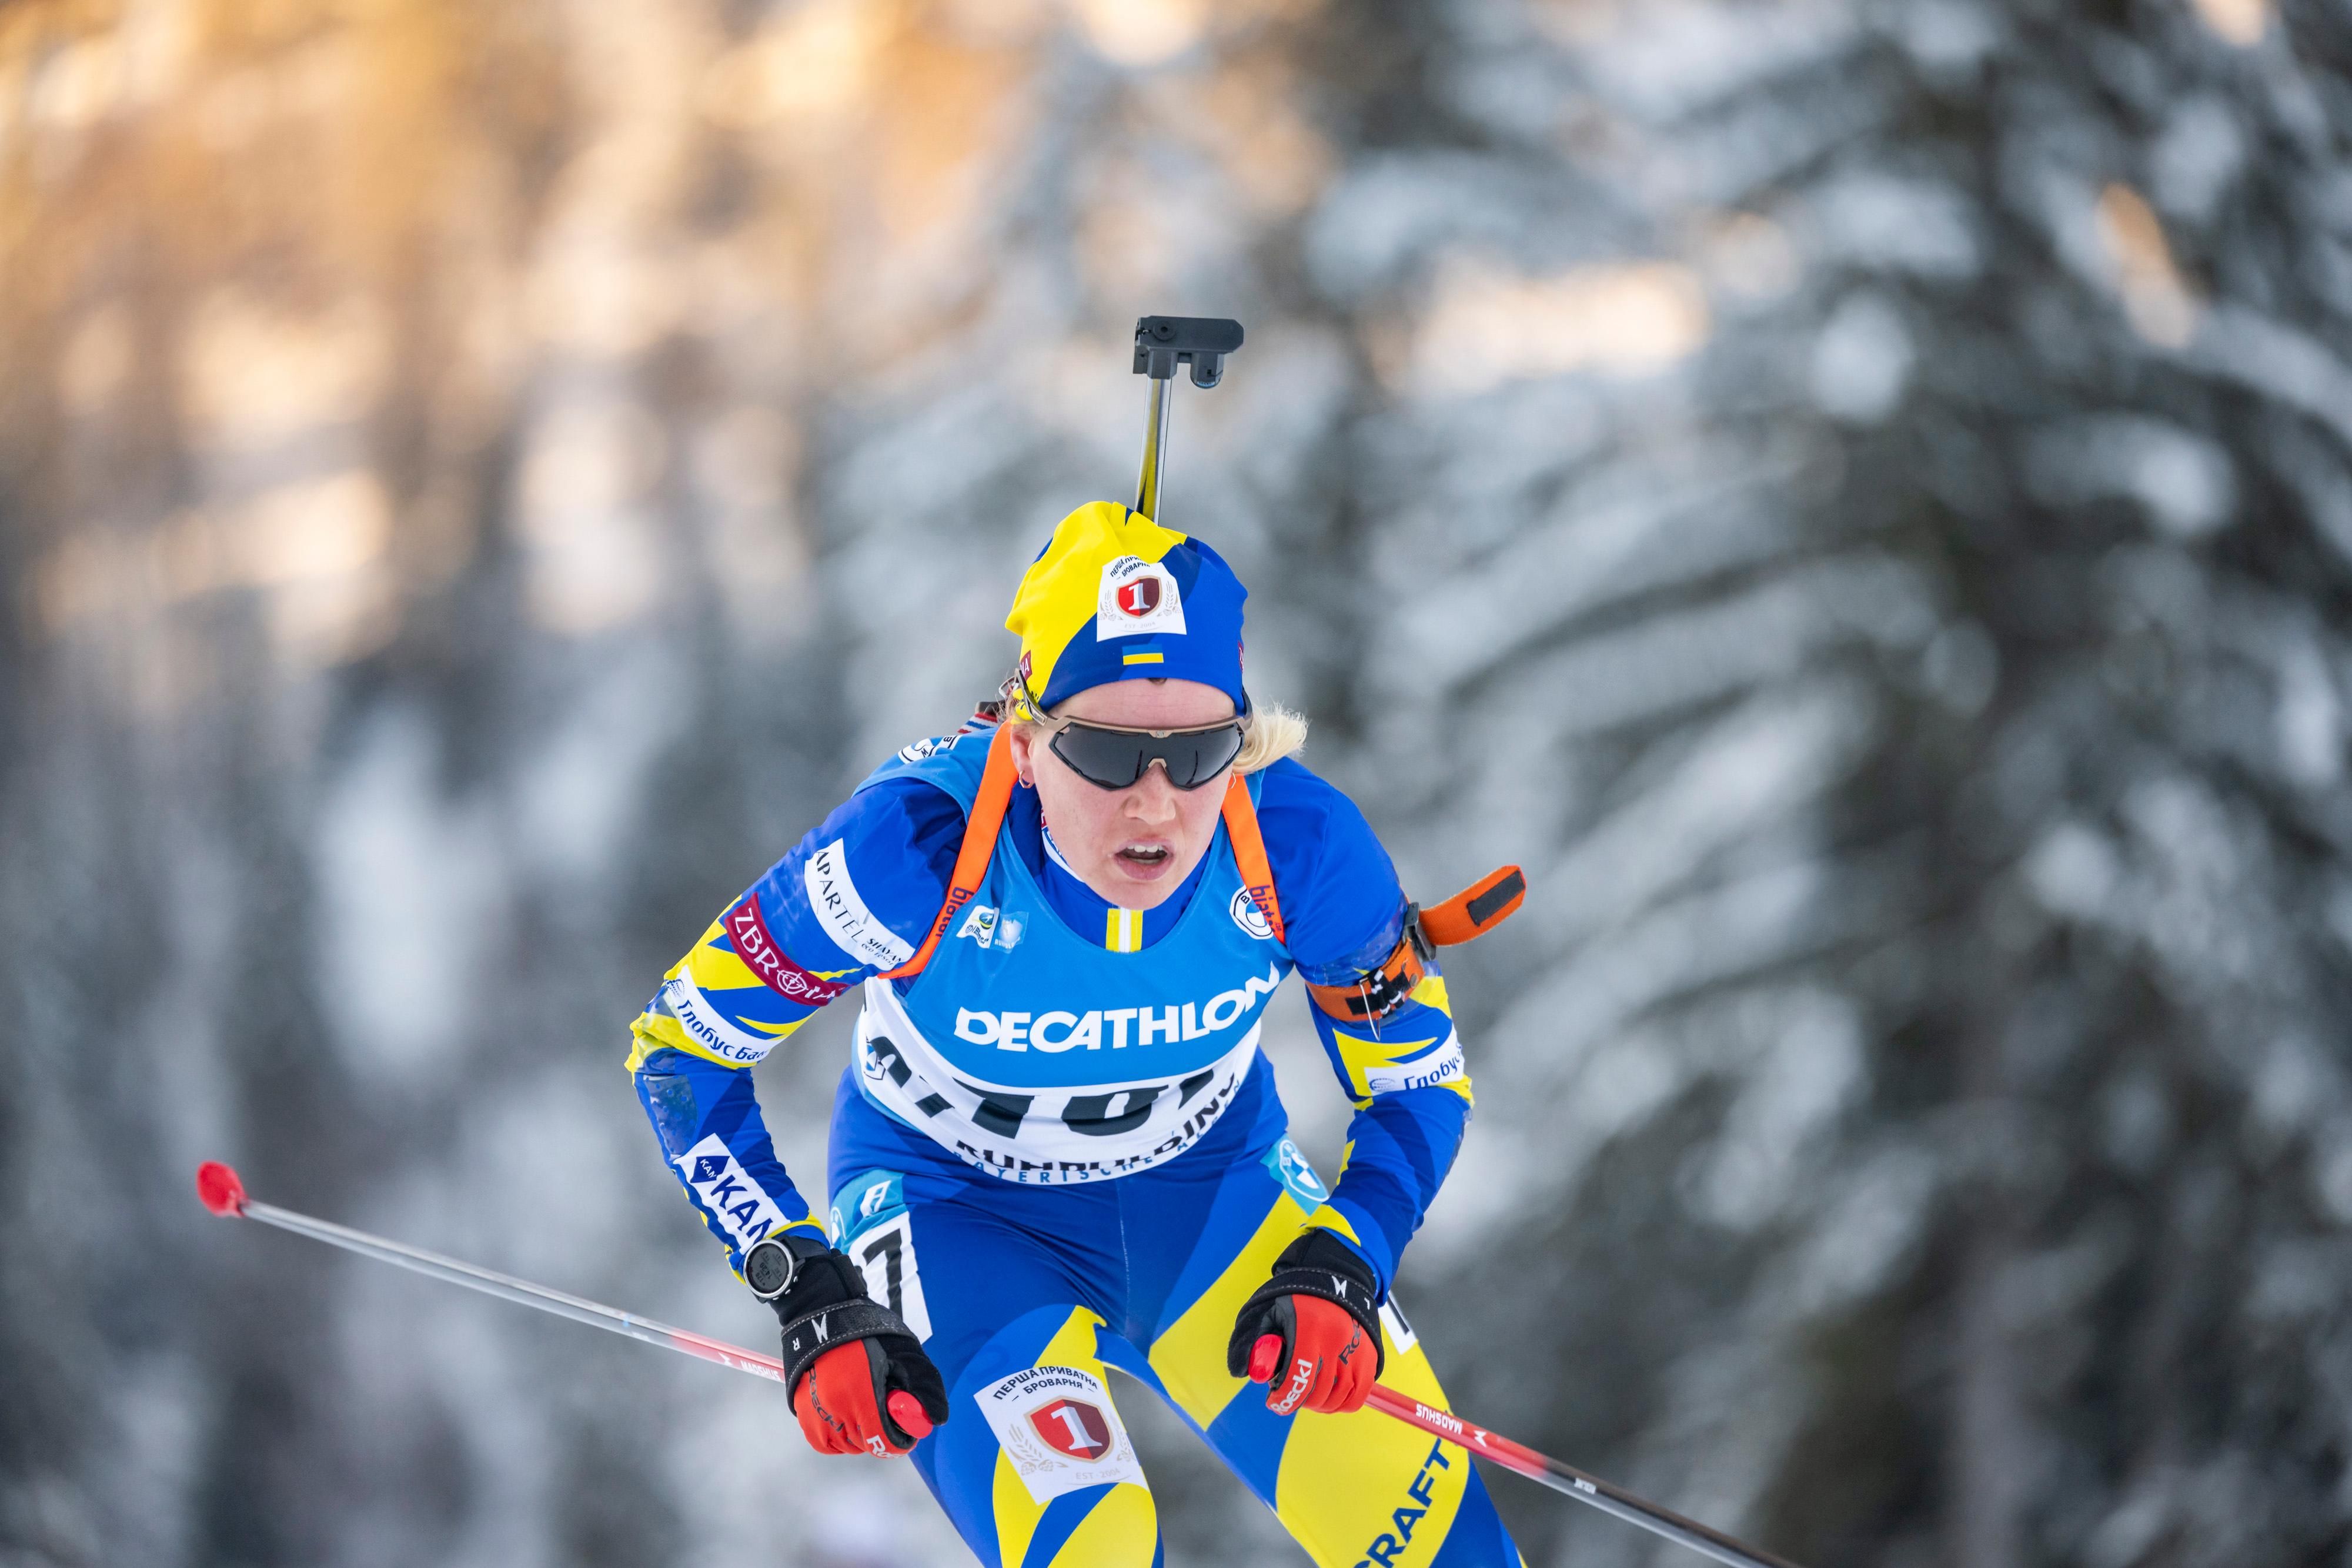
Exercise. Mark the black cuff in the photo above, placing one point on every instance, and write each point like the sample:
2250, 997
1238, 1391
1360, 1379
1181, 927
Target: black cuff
820, 1277
826, 1306
1319, 1264
808, 1337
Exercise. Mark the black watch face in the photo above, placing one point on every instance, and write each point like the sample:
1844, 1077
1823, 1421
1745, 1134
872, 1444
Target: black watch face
769, 1268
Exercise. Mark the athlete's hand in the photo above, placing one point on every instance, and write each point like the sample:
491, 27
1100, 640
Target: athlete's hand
1311, 1330
860, 1381
856, 1400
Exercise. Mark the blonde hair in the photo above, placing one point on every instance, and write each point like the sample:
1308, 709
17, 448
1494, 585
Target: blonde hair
1268, 735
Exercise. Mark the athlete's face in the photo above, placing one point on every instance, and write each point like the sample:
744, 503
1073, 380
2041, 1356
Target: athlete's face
1134, 846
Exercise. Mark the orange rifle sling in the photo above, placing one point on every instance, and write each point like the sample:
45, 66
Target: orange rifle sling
996, 781
1476, 909
1249, 852
1473, 912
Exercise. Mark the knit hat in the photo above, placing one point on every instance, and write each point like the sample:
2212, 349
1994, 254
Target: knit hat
1115, 597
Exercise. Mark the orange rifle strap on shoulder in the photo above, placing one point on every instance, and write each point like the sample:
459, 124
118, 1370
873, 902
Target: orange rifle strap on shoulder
987, 807
1249, 853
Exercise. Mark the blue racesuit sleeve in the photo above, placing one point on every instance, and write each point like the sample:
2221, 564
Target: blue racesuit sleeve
1343, 913
853, 898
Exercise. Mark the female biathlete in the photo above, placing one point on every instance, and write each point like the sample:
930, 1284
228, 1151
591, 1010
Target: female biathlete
1059, 1148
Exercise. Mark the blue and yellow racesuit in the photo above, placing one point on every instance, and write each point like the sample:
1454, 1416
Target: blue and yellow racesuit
1059, 1148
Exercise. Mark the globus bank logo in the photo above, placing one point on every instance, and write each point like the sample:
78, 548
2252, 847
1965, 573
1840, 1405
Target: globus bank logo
1116, 1027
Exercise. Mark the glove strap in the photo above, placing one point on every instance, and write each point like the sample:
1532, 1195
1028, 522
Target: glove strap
810, 1334
1321, 1266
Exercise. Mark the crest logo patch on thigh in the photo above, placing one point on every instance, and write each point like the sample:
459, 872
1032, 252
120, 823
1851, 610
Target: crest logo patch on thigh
1059, 1429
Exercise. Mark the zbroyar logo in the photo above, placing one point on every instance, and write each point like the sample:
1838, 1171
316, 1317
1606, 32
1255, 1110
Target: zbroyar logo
749, 931
919, 749
1138, 596
729, 1196
1249, 916
1059, 1429
1116, 1027
1442, 1065
844, 915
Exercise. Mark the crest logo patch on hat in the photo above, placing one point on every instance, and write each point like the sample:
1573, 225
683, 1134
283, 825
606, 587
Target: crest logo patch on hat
1138, 596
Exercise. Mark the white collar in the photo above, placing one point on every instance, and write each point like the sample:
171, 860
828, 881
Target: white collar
1053, 851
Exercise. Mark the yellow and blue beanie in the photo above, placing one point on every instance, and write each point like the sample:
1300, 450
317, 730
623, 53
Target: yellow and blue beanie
1115, 597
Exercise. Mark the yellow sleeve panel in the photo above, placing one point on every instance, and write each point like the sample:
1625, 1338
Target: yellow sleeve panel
1386, 1065
1327, 1217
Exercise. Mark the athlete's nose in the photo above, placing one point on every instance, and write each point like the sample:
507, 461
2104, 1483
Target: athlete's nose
1153, 799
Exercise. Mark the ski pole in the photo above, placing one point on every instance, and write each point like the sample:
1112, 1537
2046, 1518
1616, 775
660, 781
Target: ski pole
220, 1189
1265, 1359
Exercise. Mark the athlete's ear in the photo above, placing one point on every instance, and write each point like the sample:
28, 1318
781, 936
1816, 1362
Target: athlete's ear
1023, 741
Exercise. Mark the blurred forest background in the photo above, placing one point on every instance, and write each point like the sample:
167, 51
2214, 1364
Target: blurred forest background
1856, 497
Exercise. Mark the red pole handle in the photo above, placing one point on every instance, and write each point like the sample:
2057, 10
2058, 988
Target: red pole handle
220, 1189
908, 1411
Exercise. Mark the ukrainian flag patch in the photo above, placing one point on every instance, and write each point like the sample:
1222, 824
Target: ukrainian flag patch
1123, 930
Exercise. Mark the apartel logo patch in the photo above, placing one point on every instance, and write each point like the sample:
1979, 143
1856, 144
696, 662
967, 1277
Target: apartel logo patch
748, 929
728, 1194
1114, 1026
1059, 1429
842, 913
1138, 596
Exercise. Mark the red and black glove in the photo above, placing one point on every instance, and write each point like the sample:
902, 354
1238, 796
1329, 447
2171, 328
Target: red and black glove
1313, 1330
858, 1379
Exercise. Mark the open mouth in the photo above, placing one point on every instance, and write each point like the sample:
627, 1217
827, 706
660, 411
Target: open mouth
1145, 857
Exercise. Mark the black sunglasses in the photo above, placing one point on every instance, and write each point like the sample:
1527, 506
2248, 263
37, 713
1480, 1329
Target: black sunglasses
1115, 759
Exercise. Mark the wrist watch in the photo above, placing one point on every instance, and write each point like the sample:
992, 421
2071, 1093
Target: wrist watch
772, 1266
